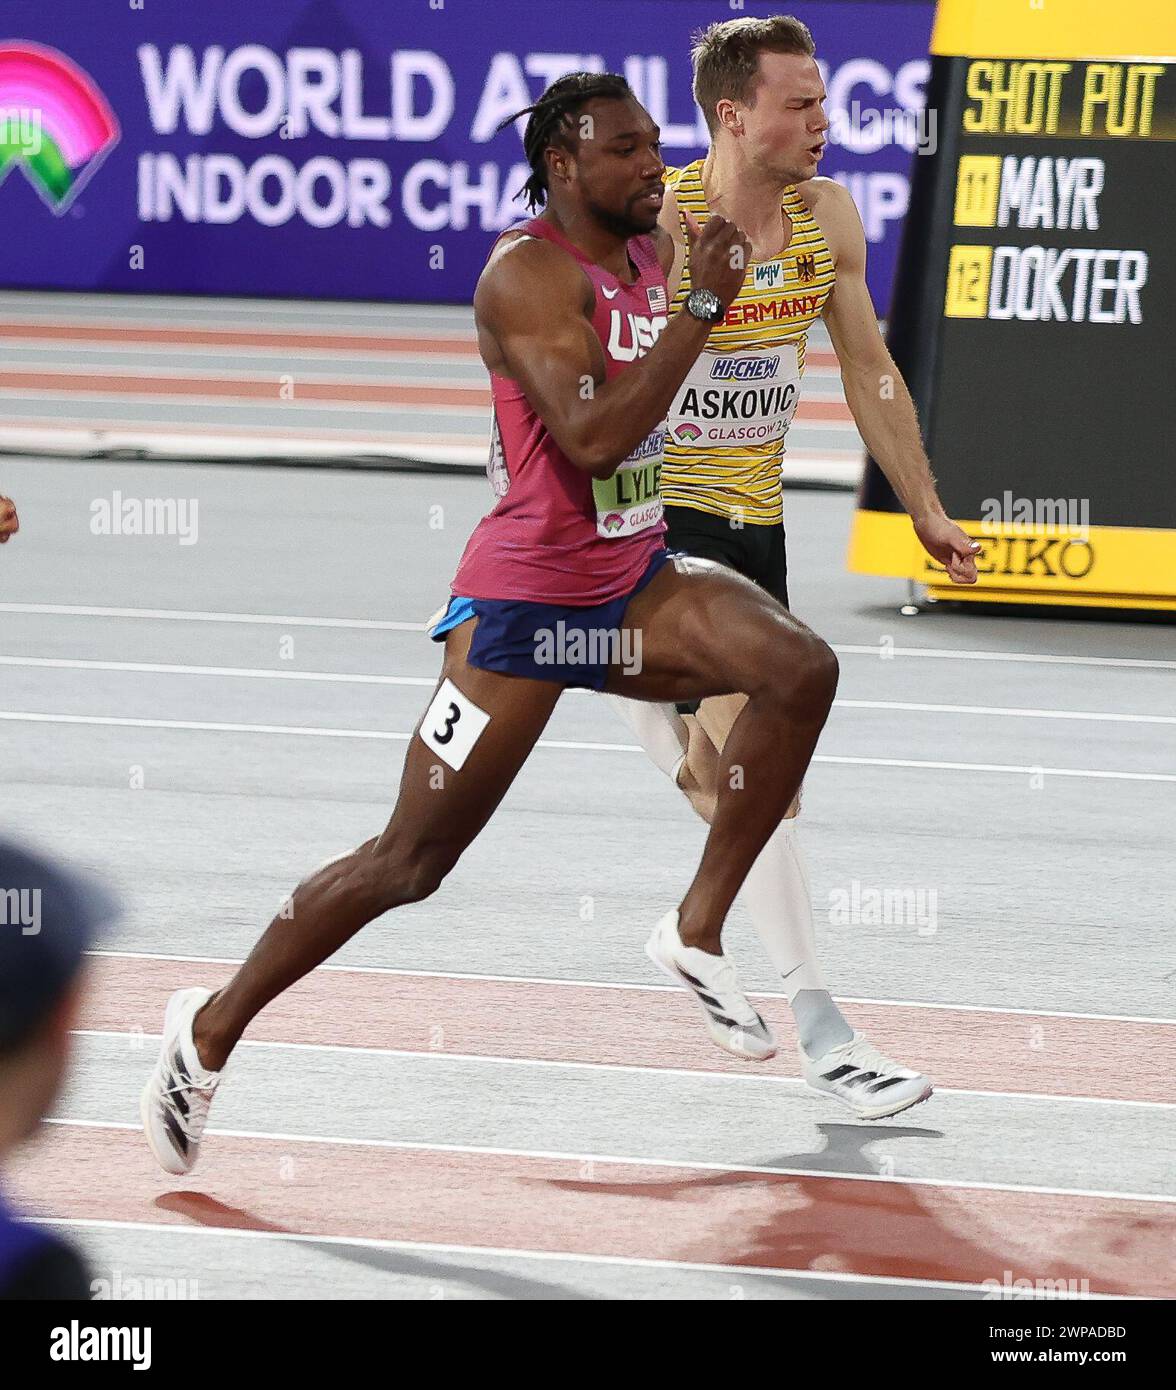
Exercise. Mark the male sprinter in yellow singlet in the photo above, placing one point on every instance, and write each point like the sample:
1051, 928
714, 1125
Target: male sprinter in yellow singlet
761, 93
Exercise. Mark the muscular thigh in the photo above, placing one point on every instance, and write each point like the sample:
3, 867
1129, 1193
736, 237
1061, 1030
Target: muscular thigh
701, 630
486, 722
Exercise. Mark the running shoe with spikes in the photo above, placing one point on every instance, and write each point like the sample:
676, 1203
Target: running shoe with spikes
175, 1102
863, 1079
730, 1019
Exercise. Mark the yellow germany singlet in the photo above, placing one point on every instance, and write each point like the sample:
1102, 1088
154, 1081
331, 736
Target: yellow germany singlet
725, 441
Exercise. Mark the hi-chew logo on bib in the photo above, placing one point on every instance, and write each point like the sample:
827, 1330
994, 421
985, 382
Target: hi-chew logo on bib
630, 501
745, 368
735, 399
55, 124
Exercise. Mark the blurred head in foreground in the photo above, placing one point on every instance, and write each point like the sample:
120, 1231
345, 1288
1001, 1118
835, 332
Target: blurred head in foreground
49, 916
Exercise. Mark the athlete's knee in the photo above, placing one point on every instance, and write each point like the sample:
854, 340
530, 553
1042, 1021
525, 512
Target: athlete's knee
698, 776
823, 670
794, 667
700, 786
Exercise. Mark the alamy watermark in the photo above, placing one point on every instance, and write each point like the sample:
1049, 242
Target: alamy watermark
117, 515
865, 129
594, 646
20, 126
864, 906
133, 1287
21, 907
79, 1342
1007, 1287
1035, 516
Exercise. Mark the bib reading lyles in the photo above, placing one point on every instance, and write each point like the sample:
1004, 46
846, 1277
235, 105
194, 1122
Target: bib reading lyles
630, 501
737, 398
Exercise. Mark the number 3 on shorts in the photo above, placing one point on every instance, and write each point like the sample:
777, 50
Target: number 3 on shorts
452, 725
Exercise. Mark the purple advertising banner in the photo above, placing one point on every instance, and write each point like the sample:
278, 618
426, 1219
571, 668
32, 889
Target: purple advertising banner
346, 149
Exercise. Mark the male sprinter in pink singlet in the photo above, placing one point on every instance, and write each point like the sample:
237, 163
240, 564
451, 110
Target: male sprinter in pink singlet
573, 324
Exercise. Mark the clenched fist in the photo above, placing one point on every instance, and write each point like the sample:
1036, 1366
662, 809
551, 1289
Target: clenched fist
719, 256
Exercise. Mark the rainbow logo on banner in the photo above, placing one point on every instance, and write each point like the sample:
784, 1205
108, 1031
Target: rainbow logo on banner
55, 124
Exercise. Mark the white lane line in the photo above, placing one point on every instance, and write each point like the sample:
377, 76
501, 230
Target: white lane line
227, 376
635, 1068
692, 1165
1008, 711
206, 402
575, 745
38, 355
951, 654
183, 615
626, 985
1020, 769
179, 615
161, 668
80, 430
555, 1256
205, 726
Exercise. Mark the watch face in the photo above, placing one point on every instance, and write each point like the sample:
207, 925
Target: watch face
704, 304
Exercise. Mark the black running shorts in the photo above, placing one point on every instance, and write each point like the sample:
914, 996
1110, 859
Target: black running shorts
755, 551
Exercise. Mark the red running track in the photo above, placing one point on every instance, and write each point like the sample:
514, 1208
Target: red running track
884, 1229
874, 1228
957, 1048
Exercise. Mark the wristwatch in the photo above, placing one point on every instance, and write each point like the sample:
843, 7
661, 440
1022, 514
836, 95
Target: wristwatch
704, 305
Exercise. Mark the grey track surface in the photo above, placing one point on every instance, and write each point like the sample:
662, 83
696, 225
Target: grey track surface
1054, 892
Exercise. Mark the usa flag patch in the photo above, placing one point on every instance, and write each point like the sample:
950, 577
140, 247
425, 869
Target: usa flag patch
657, 299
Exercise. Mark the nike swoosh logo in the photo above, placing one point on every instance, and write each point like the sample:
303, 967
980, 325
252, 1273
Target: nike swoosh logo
793, 971
613, 295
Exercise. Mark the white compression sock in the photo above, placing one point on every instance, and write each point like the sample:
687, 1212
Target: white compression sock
776, 892
660, 730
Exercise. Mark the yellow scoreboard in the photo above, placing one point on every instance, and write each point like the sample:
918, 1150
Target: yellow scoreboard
1034, 311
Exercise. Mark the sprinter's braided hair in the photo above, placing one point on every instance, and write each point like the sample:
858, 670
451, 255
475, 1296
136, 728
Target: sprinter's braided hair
550, 117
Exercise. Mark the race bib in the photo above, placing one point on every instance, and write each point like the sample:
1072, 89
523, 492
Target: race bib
733, 399
452, 725
496, 470
630, 501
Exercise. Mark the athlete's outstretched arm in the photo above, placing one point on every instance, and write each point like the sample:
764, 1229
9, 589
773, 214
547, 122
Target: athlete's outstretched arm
878, 396
533, 308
